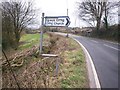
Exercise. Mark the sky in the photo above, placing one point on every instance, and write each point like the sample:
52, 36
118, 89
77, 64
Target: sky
59, 8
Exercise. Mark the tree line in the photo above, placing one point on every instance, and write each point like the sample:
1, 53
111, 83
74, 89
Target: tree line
16, 16
96, 11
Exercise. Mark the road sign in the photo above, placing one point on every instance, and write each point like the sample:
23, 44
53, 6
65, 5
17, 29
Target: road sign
57, 21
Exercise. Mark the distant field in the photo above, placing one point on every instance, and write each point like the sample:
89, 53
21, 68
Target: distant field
29, 40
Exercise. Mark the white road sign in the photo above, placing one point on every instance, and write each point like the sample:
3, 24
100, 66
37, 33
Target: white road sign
57, 21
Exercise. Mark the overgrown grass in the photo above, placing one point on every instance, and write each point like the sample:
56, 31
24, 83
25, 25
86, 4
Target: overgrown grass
29, 40
74, 69
72, 72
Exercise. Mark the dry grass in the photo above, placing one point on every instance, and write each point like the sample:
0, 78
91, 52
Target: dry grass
40, 72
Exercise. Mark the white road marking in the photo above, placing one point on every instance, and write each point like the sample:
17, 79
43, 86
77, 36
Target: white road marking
92, 66
111, 47
112, 42
94, 41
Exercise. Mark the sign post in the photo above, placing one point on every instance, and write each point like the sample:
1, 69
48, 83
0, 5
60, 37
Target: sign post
51, 21
67, 31
57, 21
41, 33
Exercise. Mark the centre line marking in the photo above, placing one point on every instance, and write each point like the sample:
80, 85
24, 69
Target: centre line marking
111, 47
94, 41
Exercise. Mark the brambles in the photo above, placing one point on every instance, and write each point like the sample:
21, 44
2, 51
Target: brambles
31, 69
49, 72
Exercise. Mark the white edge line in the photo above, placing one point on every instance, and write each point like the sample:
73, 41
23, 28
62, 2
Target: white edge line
92, 65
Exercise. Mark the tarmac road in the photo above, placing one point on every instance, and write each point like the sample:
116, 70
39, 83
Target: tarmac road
105, 58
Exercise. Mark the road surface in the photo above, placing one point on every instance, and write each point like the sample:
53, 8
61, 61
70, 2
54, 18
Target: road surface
105, 58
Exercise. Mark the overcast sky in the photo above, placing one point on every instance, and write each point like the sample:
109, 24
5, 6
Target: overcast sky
59, 8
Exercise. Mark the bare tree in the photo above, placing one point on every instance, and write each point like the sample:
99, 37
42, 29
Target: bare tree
93, 11
21, 14
109, 6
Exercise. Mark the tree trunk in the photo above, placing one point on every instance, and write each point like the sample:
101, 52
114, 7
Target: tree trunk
105, 19
98, 24
17, 39
106, 23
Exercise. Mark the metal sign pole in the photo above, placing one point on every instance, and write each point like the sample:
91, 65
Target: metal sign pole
41, 34
67, 31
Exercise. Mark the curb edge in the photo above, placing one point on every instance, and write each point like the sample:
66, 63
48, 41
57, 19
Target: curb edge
97, 83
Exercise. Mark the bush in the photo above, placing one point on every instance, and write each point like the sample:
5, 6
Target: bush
111, 34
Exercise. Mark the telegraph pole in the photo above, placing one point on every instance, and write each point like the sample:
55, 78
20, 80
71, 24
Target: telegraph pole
67, 11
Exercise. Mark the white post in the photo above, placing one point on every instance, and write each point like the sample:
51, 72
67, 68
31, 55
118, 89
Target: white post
41, 34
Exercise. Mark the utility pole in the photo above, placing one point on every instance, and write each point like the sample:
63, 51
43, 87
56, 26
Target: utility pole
67, 11
41, 34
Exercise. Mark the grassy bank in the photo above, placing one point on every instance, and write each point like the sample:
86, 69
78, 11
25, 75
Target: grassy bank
74, 67
40, 72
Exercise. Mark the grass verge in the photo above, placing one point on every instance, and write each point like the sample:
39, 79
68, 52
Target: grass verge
74, 67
